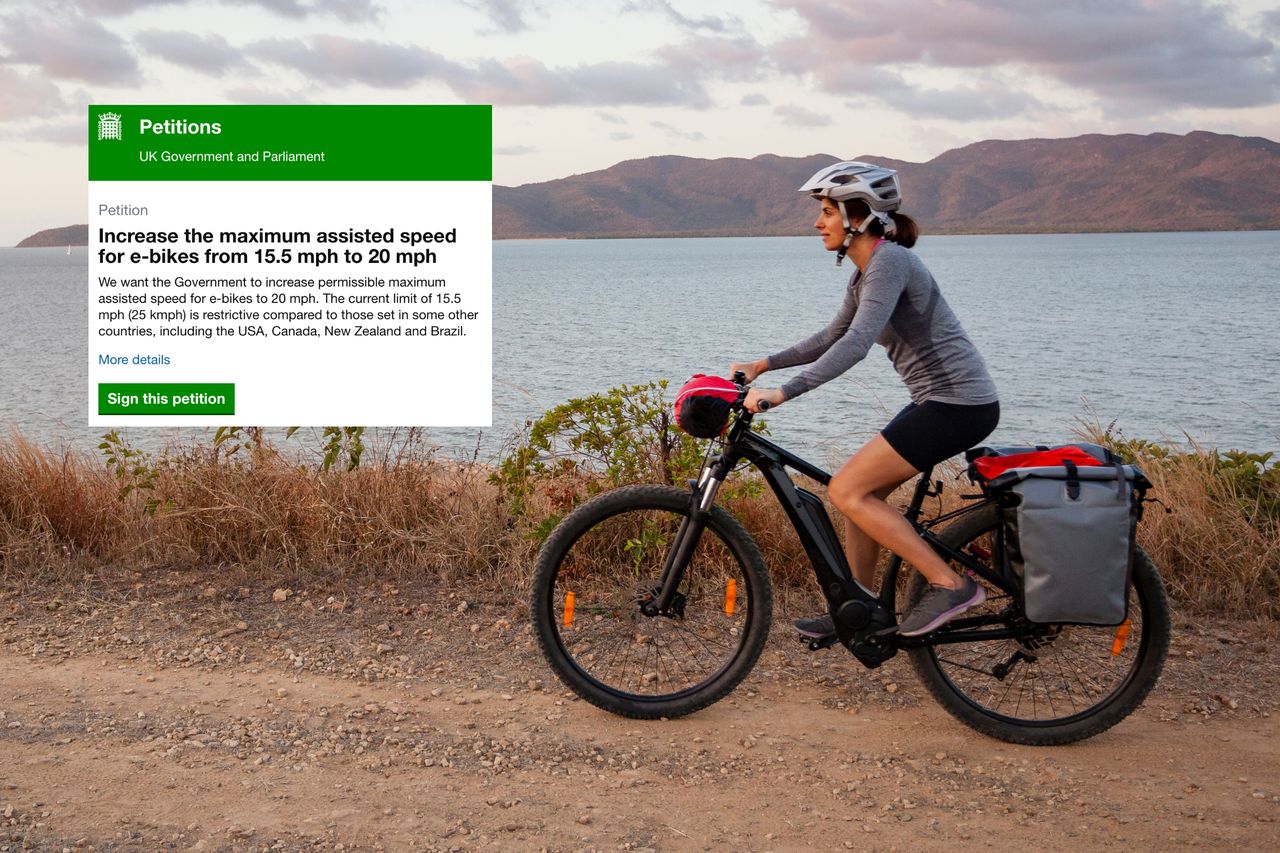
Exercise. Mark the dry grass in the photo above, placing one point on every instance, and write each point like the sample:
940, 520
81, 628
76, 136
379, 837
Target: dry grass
413, 517
264, 516
56, 510
1218, 549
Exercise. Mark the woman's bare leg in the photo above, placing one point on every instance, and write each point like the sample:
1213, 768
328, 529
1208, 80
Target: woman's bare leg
862, 551
856, 491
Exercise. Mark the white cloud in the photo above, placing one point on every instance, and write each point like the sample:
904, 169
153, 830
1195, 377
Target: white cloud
338, 60
257, 95
345, 10
27, 95
678, 132
65, 132
1181, 53
710, 23
507, 15
525, 81
735, 58
209, 54
984, 100
110, 8
801, 117
74, 48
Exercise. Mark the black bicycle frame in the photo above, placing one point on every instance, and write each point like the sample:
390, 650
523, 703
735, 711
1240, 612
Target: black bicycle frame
865, 622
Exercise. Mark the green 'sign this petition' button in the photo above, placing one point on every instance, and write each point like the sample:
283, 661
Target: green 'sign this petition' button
166, 398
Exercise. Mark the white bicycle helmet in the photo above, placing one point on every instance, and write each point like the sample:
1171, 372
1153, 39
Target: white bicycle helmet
851, 179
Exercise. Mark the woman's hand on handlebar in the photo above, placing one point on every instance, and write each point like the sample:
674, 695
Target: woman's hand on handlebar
750, 369
771, 397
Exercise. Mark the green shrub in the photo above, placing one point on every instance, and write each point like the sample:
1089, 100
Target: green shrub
624, 435
588, 444
1249, 480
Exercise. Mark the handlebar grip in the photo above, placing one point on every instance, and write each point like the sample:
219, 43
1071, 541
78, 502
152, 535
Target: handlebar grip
765, 405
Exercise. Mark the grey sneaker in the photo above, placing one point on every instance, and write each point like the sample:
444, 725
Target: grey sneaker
816, 627
939, 606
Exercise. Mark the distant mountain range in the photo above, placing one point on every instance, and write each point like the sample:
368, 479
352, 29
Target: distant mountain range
69, 235
1162, 182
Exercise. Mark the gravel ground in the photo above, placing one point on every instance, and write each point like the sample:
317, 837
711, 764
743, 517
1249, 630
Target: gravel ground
181, 714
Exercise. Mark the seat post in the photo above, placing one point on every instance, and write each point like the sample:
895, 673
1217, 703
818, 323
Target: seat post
921, 492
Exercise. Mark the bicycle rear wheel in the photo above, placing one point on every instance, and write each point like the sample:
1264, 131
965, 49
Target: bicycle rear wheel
604, 561
1058, 683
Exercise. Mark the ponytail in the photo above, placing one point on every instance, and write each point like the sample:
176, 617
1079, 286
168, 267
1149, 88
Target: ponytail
906, 231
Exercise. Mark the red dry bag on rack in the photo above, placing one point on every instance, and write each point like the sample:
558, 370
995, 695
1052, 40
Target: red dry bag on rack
1069, 517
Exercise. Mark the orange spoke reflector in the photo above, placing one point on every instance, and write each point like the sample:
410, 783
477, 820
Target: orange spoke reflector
568, 609
730, 596
1122, 636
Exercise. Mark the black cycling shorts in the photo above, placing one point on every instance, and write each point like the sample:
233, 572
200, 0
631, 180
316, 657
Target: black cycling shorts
931, 432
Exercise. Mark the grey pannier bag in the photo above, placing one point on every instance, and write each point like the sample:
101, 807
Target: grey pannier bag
1068, 517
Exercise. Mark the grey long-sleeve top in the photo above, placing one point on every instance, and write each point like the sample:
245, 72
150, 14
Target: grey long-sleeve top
895, 302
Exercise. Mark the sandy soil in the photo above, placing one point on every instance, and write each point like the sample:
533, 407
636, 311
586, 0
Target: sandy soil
179, 715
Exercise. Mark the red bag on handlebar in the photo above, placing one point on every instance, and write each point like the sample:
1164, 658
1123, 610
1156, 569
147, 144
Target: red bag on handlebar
704, 403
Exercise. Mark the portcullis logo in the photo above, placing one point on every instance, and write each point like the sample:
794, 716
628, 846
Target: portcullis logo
109, 126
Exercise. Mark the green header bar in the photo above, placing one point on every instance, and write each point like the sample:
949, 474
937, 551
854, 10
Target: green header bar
134, 142
166, 398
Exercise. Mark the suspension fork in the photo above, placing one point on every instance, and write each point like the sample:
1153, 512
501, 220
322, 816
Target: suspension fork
701, 498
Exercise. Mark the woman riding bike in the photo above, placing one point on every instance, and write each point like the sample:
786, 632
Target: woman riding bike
891, 299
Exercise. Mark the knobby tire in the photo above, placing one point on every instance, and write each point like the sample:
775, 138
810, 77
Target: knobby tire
591, 576
1077, 686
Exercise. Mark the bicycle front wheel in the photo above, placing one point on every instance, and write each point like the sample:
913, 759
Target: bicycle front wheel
605, 561
1055, 684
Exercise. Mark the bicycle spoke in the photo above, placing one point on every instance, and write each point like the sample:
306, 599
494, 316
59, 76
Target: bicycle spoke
965, 666
1054, 673
611, 568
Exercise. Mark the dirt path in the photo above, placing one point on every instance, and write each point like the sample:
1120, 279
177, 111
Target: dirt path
225, 721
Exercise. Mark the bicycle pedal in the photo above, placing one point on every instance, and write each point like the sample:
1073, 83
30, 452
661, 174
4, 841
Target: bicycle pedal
820, 643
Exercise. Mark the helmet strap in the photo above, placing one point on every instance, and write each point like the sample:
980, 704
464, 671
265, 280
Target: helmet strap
844, 247
849, 233
871, 217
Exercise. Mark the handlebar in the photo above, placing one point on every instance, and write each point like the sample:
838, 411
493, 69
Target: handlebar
740, 378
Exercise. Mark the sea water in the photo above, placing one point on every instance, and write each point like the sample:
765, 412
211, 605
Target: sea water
1168, 336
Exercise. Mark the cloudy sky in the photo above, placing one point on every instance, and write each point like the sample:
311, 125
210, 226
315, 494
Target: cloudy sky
580, 85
